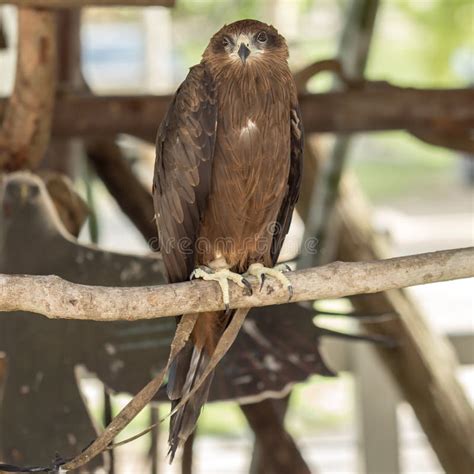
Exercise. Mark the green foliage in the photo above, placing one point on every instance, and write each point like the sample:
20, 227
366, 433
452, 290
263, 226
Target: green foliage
444, 26
216, 10
417, 42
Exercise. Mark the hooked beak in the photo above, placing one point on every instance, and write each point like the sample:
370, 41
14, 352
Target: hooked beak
243, 52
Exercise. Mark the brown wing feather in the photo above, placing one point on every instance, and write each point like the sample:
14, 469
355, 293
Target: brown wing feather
183, 166
294, 182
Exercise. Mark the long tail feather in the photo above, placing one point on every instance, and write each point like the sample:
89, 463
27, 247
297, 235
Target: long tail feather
192, 371
183, 422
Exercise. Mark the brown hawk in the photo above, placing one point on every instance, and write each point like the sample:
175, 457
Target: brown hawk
227, 177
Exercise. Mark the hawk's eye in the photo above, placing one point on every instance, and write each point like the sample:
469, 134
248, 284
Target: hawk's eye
225, 41
262, 37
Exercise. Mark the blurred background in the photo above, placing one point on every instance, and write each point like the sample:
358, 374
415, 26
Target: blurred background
422, 196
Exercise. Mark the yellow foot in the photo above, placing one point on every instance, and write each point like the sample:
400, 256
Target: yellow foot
222, 276
260, 271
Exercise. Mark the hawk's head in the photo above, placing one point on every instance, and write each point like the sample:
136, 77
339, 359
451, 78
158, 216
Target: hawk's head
247, 43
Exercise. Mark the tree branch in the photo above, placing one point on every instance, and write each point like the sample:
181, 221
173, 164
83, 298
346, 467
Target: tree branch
372, 108
131, 195
26, 126
456, 139
56, 298
444, 133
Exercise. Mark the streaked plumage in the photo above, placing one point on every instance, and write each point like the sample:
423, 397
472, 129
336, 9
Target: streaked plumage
227, 176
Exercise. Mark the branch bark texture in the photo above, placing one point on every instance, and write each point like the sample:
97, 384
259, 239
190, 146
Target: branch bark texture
59, 299
26, 126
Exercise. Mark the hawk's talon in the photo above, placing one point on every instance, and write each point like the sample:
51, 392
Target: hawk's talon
261, 272
198, 271
248, 286
222, 276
